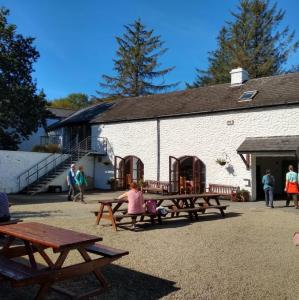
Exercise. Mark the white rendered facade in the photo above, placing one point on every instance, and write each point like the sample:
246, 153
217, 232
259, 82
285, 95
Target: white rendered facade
207, 136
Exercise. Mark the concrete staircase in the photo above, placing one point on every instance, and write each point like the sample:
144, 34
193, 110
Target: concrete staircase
38, 178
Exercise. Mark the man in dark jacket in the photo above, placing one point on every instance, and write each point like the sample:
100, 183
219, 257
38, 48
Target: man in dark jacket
71, 182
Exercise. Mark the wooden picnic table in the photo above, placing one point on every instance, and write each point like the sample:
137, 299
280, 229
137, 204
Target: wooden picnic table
189, 203
36, 238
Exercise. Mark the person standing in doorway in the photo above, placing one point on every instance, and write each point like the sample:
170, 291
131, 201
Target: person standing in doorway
268, 187
81, 183
71, 182
291, 186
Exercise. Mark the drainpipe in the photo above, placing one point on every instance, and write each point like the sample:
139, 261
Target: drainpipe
158, 149
94, 171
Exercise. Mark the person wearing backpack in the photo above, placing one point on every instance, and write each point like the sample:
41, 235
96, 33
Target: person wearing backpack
268, 187
291, 186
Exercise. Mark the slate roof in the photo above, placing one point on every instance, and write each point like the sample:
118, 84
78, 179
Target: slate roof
60, 113
82, 116
272, 91
270, 144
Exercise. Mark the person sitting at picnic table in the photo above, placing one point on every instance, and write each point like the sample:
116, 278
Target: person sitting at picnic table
135, 202
81, 183
4, 208
291, 186
71, 182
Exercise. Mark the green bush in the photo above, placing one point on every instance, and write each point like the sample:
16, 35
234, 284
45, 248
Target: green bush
50, 148
39, 148
53, 148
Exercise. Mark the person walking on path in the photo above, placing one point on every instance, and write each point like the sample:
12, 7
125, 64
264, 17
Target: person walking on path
135, 202
81, 183
71, 182
291, 186
268, 187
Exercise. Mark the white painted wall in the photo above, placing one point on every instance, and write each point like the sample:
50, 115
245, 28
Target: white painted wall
132, 138
206, 136
12, 164
34, 139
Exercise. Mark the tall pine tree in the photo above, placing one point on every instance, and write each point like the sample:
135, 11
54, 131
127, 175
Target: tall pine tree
136, 66
252, 41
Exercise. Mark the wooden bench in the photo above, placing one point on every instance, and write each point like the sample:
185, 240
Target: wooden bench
106, 251
156, 187
119, 217
16, 272
194, 210
12, 221
227, 191
152, 217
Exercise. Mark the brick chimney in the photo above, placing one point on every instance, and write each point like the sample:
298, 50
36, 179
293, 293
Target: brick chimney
238, 76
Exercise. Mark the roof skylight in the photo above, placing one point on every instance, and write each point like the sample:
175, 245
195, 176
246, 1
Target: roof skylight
248, 95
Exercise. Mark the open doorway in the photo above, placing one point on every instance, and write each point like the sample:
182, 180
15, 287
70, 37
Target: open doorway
187, 175
127, 170
279, 168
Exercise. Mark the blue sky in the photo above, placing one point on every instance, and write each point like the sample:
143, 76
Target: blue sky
76, 38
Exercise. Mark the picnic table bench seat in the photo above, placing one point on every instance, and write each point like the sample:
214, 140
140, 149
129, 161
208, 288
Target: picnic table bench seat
106, 251
119, 217
16, 272
12, 221
201, 208
152, 217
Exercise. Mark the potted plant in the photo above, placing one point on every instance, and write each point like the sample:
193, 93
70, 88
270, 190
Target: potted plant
221, 161
243, 195
140, 184
106, 162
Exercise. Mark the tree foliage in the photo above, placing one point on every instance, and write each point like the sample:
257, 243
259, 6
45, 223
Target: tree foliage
22, 107
251, 41
136, 65
73, 101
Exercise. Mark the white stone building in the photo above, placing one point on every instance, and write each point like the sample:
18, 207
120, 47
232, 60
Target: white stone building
163, 135
55, 115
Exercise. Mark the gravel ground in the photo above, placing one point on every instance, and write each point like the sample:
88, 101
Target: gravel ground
248, 255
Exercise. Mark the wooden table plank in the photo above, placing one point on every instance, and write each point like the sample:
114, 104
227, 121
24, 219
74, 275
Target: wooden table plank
48, 236
164, 197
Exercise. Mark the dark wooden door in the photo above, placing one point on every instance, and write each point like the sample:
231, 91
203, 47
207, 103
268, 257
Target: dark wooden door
140, 170
196, 188
119, 172
174, 174
259, 185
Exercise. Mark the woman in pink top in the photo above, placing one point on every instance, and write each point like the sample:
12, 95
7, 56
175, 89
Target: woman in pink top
135, 202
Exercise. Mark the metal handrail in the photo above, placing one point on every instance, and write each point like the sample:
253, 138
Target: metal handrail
74, 151
50, 139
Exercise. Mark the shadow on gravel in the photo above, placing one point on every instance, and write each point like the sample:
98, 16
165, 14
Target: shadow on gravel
176, 222
31, 214
124, 283
37, 199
